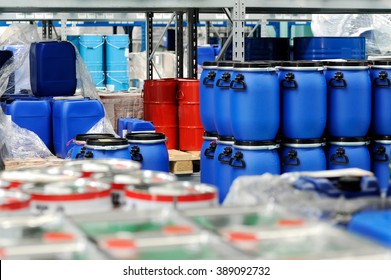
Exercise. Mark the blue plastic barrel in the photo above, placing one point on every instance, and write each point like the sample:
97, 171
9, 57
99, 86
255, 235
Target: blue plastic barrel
381, 97
117, 80
380, 158
150, 150
321, 48
221, 112
349, 98
53, 68
77, 149
348, 153
304, 99
253, 91
106, 148
222, 170
74, 39
302, 155
205, 53
207, 95
207, 154
73, 117
91, 51
117, 49
254, 158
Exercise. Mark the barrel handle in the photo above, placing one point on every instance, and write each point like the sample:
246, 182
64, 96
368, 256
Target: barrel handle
239, 79
226, 153
292, 155
238, 157
338, 77
210, 150
339, 153
89, 155
226, 77
81, 153
180, 95
289, 81
211, 77
381, 151
135, 154
382, 76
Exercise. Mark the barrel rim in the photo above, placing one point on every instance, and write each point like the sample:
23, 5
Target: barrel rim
347, 139
252, 65
381, 138
226, 138
134, 136
380, 62
210, 134
347, 63
225, 63
303, 141
85, 136
209, 64
254, 143
107, 142
302, 63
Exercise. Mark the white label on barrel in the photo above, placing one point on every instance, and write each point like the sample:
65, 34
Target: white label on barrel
136, 204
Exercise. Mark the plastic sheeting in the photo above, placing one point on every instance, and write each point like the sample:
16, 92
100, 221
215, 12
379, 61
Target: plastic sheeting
17, 142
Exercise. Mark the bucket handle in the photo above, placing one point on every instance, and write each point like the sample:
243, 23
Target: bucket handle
87, 47
239, 79
289, 81
338, 77
380, 152
115, 80
135, 154
340, 153
238, 157
116, 47
209, 152
382, 76
226, 153
292, 155
211, 77
226, 77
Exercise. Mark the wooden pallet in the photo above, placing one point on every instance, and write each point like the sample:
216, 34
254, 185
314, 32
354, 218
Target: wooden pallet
32, 163
184, 162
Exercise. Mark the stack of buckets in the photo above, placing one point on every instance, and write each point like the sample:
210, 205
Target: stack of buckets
105, 58
172, 105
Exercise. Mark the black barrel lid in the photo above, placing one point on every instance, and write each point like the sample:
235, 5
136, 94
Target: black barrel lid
302, 63
225, 63
304, 141
210, 134
347, 63
253, 64
84, 137
255, 143
380, 62
347, 139
145, 136
381, 138
107, 142
209, 63
225, 138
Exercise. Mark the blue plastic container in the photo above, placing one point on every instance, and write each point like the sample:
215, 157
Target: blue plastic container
381, 97
205, 53
33, 114
320, 48
304, 99
117, 49
74, 39
150, 150
73, 117
207, 95
91, 51
77, 149
53, 68
302, 155
348, 153
221, 112
222, 170
253, 91
207, 154
380, 157
117, 80
254, 158
132, 125
349, 98
98, 78
106, 148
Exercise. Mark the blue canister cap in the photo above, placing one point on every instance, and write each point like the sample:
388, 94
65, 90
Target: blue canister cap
104, 142
85, 137
302, 63
347, 63
145, 136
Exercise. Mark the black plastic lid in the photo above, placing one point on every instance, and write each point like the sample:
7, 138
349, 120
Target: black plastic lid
255, 64
347, 63
348, 139
145, 136
84, 137
209, 63
304, 141
380, 62
302, 63
381, 137
225, 138
107, 142
210, 134
225, 63
255, 143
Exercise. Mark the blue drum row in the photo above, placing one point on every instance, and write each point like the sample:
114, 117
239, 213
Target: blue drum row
256, 101
147, 148
223, 159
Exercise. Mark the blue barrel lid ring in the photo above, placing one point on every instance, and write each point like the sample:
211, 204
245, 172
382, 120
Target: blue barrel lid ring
255, 145
349, 141
146, 138
304, 143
